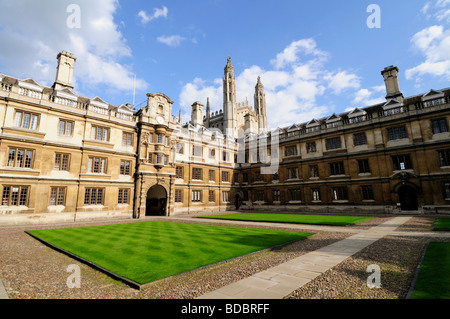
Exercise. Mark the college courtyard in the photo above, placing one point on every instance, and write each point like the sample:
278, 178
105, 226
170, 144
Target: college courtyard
321, 258
109, 202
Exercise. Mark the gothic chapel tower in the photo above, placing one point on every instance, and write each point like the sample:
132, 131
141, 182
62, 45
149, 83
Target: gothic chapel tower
229, 100
260, 106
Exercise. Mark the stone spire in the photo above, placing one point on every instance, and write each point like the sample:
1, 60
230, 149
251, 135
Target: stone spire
208, 113
229, 100
260, 106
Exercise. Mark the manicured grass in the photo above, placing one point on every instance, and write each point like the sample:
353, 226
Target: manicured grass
442, 224
433, 281
148, 251
296, 219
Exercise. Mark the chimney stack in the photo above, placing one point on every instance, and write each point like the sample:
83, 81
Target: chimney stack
197, 114
64, 71
390, 75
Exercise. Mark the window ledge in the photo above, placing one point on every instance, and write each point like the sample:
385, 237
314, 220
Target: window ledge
364, 174
32, 133
22, 170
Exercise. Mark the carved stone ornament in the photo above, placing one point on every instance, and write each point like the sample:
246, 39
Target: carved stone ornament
145, 138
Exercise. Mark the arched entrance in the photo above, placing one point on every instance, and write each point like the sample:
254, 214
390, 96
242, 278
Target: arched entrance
408, 198
156, 201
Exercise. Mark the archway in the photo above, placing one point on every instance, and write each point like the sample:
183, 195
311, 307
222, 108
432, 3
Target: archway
408, 198
156, 201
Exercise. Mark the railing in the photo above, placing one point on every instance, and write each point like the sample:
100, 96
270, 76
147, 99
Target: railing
30, 93
6, 87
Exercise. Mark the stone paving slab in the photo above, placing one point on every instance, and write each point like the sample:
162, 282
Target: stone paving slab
281, 280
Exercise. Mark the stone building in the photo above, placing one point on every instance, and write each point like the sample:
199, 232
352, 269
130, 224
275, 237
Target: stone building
387, 158
66, 157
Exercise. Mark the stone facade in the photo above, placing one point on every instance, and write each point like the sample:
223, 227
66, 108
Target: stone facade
65, 157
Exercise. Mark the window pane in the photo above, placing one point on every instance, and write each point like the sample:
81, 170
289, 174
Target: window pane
87, 194
125, 196
69, 129
103, 166
20, 155
93, 196
14, 196
61, 196
5, 196
23, 196
65, 162
53, 193
11, 157
100, 197
96, 165
26, 120
28, 157
62, 126
99, 133
18, 119
34, 120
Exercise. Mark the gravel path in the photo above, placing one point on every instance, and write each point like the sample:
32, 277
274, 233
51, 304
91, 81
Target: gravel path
30, 270
397, 257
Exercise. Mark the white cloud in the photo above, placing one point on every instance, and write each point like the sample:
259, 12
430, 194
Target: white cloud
157, 13
342, 80
293, 87
366, 96
291, 54
29, 46
434, 43
172, 40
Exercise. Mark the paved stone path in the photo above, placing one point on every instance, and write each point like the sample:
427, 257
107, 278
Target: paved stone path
281, 280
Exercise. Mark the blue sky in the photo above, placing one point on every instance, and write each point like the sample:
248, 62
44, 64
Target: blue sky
315, 58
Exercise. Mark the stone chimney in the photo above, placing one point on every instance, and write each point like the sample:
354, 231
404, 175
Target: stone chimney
197, 114
64, 71
390, 75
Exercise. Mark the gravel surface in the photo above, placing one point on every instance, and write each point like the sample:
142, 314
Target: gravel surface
31, 270
397, 257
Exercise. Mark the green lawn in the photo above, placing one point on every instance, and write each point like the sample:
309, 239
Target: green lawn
433, 281
148, 251
292, 218
442, 224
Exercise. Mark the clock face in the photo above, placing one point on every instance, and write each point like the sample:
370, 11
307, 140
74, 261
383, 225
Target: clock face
160, 119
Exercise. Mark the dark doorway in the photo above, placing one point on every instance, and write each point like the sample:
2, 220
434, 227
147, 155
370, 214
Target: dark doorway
238, 201
156, 201
408, 198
